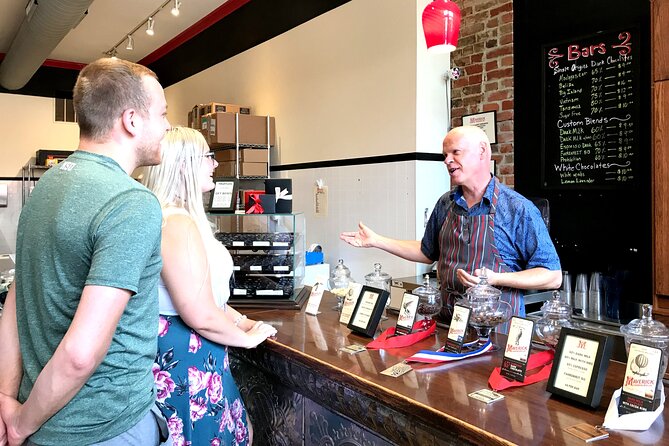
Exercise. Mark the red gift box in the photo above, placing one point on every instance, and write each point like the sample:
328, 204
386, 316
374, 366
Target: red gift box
252, 204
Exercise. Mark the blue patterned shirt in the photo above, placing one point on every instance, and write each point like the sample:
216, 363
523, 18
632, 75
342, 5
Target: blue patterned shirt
521, 236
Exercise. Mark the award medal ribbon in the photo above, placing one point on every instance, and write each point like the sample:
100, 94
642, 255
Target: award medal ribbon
430, 357
388, 339
535, 361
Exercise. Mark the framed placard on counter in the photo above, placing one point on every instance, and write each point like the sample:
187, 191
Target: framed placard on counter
368, 310
350, 301
517, 350
224, 196
591, 129
407, 314
580, 365
640, 392
458, 328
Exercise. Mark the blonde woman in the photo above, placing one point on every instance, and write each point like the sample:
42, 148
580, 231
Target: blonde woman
196, 391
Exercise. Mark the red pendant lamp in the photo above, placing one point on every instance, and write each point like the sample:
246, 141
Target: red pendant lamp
441, 25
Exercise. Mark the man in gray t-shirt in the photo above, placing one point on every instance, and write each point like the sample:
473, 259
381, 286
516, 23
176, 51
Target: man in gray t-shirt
79, 326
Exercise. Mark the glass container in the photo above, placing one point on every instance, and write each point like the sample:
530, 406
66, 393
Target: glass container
339, 283
488, 311
429, 300
556, 314
647, 331
381, 280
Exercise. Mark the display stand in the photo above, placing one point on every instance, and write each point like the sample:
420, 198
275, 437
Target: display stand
268, 252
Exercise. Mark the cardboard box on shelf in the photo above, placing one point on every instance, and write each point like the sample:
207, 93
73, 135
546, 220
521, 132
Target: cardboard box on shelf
253, 130
220, 128
225, 169
247, 155
254, 155
196, 116
253, 169
216, 107
223, 155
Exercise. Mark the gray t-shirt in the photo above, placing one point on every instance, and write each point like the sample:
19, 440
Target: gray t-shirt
88, 223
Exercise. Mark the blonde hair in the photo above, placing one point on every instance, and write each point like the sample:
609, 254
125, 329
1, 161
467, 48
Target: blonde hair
176, 182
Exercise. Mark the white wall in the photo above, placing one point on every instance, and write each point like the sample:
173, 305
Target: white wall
354, 82
342, 85
351, 83
27, 125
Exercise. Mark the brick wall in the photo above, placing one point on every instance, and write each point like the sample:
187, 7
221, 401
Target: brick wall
485, 58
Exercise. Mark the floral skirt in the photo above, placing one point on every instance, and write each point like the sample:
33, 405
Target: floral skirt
195, 389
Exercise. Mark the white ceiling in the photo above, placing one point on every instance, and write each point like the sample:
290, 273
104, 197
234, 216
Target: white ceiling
108, 22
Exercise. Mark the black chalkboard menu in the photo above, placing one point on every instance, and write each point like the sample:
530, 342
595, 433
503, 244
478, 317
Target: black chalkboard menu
590, 112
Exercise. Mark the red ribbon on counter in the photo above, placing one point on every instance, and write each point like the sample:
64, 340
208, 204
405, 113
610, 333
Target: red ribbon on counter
542, 359
388, 339
256, 208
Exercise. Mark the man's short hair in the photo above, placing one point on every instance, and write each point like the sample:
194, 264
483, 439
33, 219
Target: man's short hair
104, 90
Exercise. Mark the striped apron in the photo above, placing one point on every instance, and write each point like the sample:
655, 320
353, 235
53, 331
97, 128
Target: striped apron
468, 242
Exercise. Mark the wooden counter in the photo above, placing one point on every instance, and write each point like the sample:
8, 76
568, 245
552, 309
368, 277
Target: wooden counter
301, 389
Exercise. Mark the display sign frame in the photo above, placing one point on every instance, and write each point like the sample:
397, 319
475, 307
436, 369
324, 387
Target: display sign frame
486, 121
457, 330
218, 197
350, 302
589, 392
647, 398
407, 314
517, 349
368, 310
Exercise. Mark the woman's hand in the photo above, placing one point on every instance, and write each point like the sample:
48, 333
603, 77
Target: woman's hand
259, 332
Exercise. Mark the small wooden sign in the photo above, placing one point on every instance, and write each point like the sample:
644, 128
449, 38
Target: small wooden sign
517, 350
350, 300
315, 299
368, 310
458, 329
640, 391
407, 315
579, 368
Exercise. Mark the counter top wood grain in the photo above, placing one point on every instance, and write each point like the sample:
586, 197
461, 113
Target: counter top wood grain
438, 394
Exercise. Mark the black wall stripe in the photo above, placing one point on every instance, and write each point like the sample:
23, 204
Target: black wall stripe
383, 159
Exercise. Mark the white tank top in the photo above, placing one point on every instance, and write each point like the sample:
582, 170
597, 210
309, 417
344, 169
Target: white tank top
220, 270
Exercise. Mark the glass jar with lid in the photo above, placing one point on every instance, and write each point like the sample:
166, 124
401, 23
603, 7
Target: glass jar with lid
647, 331
556, 313
429, 300
381, 280
378, 278
488, 311
340, 280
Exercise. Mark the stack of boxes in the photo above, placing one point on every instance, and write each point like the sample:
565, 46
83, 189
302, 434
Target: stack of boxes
263, 259
228, 126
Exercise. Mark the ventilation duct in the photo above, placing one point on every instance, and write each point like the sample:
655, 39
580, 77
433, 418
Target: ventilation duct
46, 24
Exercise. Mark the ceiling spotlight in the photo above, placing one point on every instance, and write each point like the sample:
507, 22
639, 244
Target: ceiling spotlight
149, 26
131, 43
175, 9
